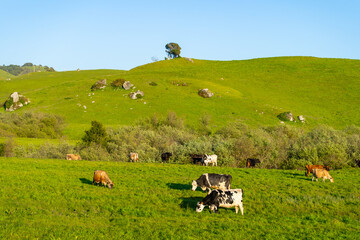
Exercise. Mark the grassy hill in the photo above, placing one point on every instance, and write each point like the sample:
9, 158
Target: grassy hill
255, 91
54, 199
5, 75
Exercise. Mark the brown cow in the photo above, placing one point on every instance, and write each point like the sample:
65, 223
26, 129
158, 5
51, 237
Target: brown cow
251, 162
134, 157
73, 157
101, 177
321, 173
309, 168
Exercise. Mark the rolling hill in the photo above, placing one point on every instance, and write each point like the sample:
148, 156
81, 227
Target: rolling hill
324, 91
5, 75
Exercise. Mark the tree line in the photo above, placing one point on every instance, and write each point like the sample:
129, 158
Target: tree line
26, 68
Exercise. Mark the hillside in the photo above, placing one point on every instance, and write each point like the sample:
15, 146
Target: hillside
54, 199
5, 75
255, 91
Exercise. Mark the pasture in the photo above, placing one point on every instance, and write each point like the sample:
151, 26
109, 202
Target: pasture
54, 199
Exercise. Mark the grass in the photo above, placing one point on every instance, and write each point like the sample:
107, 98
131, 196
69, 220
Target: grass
253, 91
5, 75
54, 199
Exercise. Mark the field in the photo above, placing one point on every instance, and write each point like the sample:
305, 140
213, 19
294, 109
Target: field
254, 92
54, 199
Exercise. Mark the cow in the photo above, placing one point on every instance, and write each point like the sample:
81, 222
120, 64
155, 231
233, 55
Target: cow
250, 162
212, 180
219, 198
309, 168
210, 159
166, 156
73, 157
321, 173
197, 158
134, 157
357, 162
101, 177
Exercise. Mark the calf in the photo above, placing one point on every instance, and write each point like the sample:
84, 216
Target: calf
212, 180
309, 168
210, 159
250, 162
134, 157
220, 198
102, 178
198, 158
166, 156
321, 173
73, 157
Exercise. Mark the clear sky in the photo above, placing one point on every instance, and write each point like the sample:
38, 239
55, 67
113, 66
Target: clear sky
107, 34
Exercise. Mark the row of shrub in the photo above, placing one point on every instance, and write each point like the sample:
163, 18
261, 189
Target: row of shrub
281, 147
31, 125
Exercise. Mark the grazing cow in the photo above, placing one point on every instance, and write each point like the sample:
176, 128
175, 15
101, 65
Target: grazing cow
212, 180
102, 178
73, 157
357, 162
309, 168
321, 173
198, 158
210, 159
250, 162
134, 157
220, 198
166, 156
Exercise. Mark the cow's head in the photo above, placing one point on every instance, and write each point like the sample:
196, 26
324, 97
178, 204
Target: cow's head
307, 170
199, 206
194, 185
110, 185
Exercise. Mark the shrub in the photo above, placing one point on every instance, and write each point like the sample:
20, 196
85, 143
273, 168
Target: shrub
117, 83
153, 84
96, 134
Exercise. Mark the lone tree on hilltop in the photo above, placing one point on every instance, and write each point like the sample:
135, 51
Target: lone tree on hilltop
173, 50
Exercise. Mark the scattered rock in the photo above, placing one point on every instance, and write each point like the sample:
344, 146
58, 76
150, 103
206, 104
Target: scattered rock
301, 118
79, 104
136, 95
205, 93
127, 85
84, 107
286, 116
15, 101
189, 59
101, 84
93, 102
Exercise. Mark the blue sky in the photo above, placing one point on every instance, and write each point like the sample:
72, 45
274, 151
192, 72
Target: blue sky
108, 34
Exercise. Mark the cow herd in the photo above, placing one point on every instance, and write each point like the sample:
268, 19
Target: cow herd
218, 186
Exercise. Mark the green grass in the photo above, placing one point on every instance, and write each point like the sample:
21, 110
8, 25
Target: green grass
255, 91
54, 199
5, 75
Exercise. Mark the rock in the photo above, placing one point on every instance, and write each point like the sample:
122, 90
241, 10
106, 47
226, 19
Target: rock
101, 84
301, 118
127, 85
136, 95
15, 101
189, 59
205, 93
286, 116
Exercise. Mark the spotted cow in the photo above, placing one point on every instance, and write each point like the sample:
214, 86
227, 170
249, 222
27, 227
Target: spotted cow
134, 157
212, 180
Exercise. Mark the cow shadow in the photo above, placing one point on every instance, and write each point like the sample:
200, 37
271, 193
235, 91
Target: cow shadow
179, 186
190, 203
298, 176
85, 181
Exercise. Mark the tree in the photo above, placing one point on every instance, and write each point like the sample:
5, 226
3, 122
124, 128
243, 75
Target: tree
97, 134
173, 50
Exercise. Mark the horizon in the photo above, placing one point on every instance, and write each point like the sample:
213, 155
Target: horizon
90, 35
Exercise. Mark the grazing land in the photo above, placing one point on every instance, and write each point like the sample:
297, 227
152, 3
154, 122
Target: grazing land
54, 199
254, 92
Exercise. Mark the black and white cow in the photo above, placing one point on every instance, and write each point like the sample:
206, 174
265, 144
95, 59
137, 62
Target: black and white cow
212, 180
166, 156
210, 159
220, 198
198, 158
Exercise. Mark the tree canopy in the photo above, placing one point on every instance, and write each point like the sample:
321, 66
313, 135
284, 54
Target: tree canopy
173, 50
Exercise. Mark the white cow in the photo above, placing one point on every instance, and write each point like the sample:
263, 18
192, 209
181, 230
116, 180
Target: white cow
210, 159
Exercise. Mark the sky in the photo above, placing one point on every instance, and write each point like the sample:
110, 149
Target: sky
108, 34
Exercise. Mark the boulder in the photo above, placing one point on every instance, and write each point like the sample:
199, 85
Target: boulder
101, 84
205, 93
127, 85
301, 118
136, 95
15, 101
189, 59
286, 116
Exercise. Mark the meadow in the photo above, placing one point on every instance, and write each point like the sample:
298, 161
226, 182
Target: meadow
54, 199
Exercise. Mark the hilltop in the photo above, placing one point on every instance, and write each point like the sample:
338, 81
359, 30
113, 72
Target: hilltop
254, 92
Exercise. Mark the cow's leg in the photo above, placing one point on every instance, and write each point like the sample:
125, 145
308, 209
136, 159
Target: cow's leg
241, 208
312, 178
236, 209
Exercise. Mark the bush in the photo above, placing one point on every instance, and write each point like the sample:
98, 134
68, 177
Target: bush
117, 83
